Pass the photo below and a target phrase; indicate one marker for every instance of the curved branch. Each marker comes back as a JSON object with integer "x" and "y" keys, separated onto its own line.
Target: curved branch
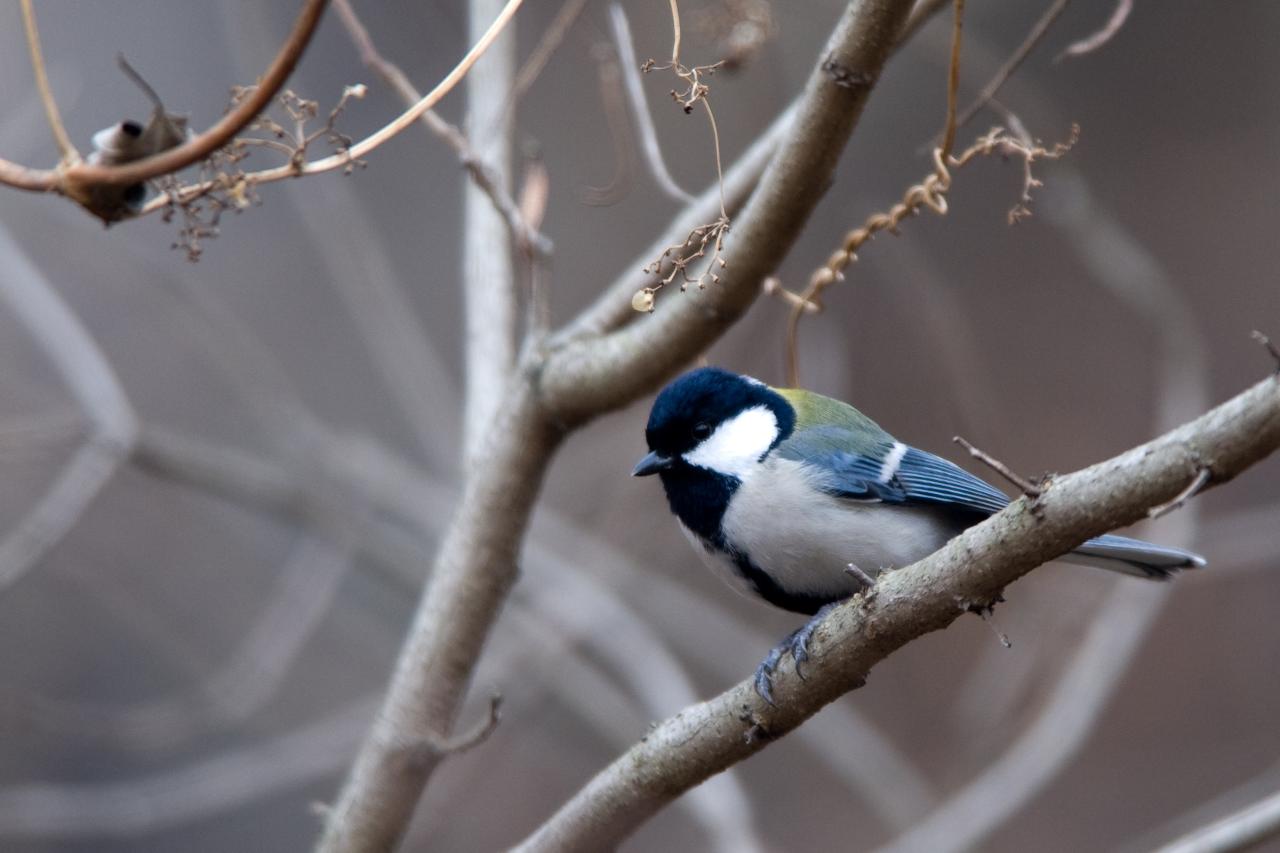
{"x": 927, "y": 596}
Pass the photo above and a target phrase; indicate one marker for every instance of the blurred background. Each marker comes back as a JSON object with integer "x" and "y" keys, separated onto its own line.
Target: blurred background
{"x": 189, "y": 660}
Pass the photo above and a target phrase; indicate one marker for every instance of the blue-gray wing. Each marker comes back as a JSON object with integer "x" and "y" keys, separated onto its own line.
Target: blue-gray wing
{"x": 892, "y": 473}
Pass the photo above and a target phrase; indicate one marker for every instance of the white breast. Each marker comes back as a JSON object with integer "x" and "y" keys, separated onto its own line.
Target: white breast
{"x": 804, "y": 538}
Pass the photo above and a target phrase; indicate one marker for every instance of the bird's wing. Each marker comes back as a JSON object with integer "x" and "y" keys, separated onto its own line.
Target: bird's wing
{"x": 890, "y": 472}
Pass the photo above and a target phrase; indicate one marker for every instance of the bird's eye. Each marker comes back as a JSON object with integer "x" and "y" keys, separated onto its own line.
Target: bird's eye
{"x": 701, "y": 431}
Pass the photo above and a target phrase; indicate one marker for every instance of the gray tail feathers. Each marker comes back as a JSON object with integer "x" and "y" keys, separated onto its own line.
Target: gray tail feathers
{"x": 1134, "y": 557}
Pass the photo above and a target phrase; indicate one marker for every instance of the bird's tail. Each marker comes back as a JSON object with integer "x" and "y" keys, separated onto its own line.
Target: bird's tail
{"x": 1134, "y": 557}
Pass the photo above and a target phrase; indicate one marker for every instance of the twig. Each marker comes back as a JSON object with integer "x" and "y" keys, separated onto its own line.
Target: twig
{"x": 374, "y": 140}
{"x": 1014, "y": 61}
{"x": 634, "y": 89}
{"x": 1026, "y": 486}
{"x": 1091, "y": 43}
{"x": 1203, "y": 475}
{"x": 953, "y": 79}
{"x": 472, "y": 738}
{"x": 1270, "y": 347}
{"x": 527, "y": 238}
{"x": 66, "y": 150}
{"x": 854, "y": 570}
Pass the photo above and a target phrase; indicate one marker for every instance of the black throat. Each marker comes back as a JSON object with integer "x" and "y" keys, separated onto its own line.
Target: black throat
{"x": 699, "y": 498}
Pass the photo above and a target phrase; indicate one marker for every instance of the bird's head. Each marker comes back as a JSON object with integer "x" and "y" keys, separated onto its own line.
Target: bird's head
{"x": 714, "y": 420}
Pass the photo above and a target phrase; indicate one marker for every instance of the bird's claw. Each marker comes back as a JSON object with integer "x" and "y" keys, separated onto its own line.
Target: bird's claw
{"x": 797, "y": 645}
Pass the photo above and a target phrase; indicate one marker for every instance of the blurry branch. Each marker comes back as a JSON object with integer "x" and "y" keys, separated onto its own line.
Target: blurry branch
{"x": 526, "y": 238}
{"x": 610, "y": 84}
{"x": 97, "y": 390}
{"x": 1240, "y": 831}
{"x": 547, "y": 393}
{"x": 634, "y": 89}
{"x": 1077, "y": 697}
{"x": 547, "y": 46}
{"x": 238, "y": 688}
{"x": 1014, "y": 61}
{"x": 908, "y": 603}
{"x": 203, "y": 787}
{"x": 67, "y": 151}
{"x": 363, "y": 147}
{"x": 80, "y": 181}
{"x": 1113, "y": 25}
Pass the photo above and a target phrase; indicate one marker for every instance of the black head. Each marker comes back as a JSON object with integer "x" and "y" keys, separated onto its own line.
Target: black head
{"x": 714, "y": 419}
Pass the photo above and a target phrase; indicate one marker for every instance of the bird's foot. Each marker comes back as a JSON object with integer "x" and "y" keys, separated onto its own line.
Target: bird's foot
{"x": 797, "y": 645}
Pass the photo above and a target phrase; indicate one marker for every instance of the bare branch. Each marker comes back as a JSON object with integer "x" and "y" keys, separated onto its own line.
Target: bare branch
{"x": 547, "y": 46}
{"x": 910, "y": 602}
{"x": 1091, "y": 43}
{"x": 66, "y": 149}
{"x": 1027, "y": 487}
{"x": 1203, "y": 475}
{"x": 1267, "y": 343}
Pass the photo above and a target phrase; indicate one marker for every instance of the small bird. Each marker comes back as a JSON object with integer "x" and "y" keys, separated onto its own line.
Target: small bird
{"x": 801, "y": 499}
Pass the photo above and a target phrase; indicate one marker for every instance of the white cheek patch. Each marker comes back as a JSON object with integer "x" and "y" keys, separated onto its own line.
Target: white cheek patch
{"x": 737, "y": 444}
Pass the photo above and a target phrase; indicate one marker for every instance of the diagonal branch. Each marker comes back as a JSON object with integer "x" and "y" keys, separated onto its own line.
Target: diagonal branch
{"x": 927, "y": 596}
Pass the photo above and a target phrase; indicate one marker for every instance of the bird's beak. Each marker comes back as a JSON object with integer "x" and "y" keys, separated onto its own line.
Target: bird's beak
{"x": 652, "y": 463}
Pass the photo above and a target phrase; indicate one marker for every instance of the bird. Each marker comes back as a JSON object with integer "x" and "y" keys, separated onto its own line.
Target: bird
{"x": 802, "y": 500}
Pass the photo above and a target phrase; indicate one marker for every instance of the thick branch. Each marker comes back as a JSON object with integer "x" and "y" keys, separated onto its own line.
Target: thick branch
{"x": 584, "y": 378}
{"x": 927, "y": 596}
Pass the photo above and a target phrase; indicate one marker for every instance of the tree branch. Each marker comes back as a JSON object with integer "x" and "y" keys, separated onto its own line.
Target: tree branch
{"x": 927, "y": 596}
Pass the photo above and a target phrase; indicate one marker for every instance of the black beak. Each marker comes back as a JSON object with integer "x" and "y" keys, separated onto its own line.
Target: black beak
{"x": 652, "y": 463}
